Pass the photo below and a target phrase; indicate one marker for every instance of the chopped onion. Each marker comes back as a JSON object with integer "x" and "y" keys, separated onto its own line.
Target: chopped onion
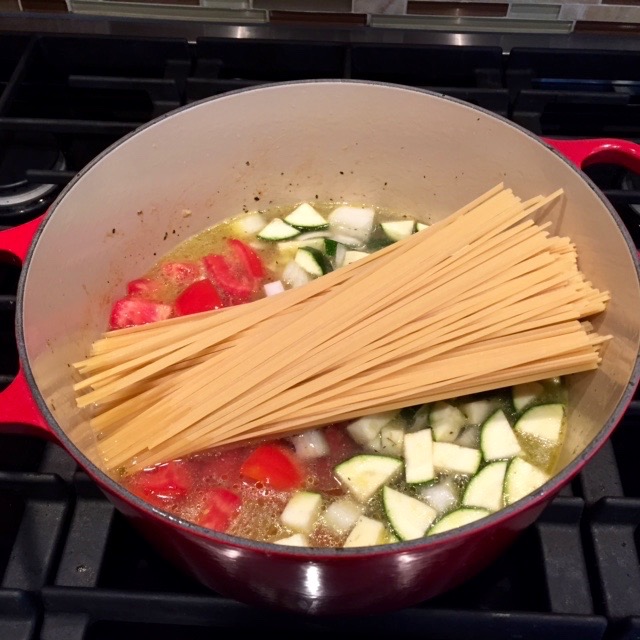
{"x": 310, "y": 444}
{"x": 294, "y": 275}
{"x": 272, "y": 288}
{"x": 470, "y": 437}
{"x": 342, "y": 515}
{"x": 250, "y": 224}
{"x": 442, "y": 496}
{"x": 341, "y": 252}
{"x": 312, "y": 235}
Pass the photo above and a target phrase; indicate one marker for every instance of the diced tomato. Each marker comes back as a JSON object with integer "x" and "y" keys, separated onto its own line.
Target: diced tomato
{"x": 220, "y": 506}
{"x": 236, "y": 284}
{"x": 181, "y": 273}
{"x": 197, "y": 297}
{"x": 272, "y": 464}
{"x": 128, "y": 312}
{"x": 162, "y": 484}
{"x": 144, "y": 288}
{"x": 247, "y": 257}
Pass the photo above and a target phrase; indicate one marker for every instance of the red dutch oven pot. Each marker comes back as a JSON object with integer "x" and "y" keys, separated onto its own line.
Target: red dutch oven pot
{"x": 397, "y": 147}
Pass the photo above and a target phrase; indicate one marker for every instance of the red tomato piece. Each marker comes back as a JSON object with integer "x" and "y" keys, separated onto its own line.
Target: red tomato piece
{"x": 247, "y": 257}
{"x": 181, "y": 273}
{"x": 197, "y": 297}
{"x": 220, "y": 506}
{"x": 237, "y": 285}
{"x": 162, "y": 484}
{"x": 128, "y": 312}
{"x": 273, "y": 465}
{"x": 144, "y": 288}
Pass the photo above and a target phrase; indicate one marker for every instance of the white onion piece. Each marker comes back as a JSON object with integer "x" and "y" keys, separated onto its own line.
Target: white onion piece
{"x": 354, "y": 221}
{"x": 250, "y": 224}
{"x": 349, "y": 241}
{"x": 310, "y": 444}
{"x": 294, "y": 275}
{"x": 342, "y": 515}
{"x": 272, "y": 288}
{"x": 442, "y": 496}
{"x": 341, "y": 251}
{"x": 420, "y": 419}
{"x": 470, "y": 437}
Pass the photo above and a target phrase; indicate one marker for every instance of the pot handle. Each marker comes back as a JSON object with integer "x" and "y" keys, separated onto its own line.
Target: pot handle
{"x": 600, "y": 150}
{"x": 19, "y": 412}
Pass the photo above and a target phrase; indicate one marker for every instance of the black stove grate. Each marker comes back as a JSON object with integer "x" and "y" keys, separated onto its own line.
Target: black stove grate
{"x": 73, "y": 568}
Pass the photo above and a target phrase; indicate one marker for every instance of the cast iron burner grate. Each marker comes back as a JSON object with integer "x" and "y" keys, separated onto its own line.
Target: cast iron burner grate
{"x": 73, "y": 568}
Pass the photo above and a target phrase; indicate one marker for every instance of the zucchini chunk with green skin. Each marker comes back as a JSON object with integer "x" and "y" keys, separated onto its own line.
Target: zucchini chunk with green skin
{"x": 521, "y": 479}
{"x": 454, "y": 458}
{"x": 366, "y": 429}
{"x": 522, "y": 395}
{"x": 296, "y": 540}
{"x": 314, "y": 262}
{"x": 497, "y": 439}
{"x": 342, "y": 515}
{"x": 364, "y": 474}
{"x": 418, "y": 457}
{"x": 353, "y": 256}
{"x": 542, "y": 421}
{"x": 366, "y": 533}
{"x": 306, "y": 218}
{"x": 398, "y": 229}
{"x": 302, "y": 511}
{"x": 446, "y": 421}
{"x": 485, "y": 490}
{"x": 409, "y": 517}
{"x": 277, "y": 230}
{"x": 457, "y": 518}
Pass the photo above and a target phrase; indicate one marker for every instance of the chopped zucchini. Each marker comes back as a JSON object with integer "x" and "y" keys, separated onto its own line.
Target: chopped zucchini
{"x": 418, "y": 456}
{"x": 296, "y": 540}
{"x": 366, "y": 533}
{"x": 542, "y": 421}
{"x": 470, "y": 437}
{"x": 457, "y": 518}
{"x": 364, "y": 474}
{"x": 277, "y": 230}
{"x": 524, "y": 394}
{"x": 486, "y": 488}
{"x": 353, "y": 256}
{"x": 306, "y": 218}
{"x": 365, "y": 429}
{"x": 288, "y": 248}
{"x": 497, "y": 439}
{"x": 454, "y": 458}
{"x": 342, "y": 515}
{"x": 302, "y": 511}
{"x": 314, "y": 262}
{"x": 521, "y": 479}
{"x": 446, "y": 421}
{"x": 409, "y": 517}
{"x": 398, "y": 229}
{"x": 330, "y": 247}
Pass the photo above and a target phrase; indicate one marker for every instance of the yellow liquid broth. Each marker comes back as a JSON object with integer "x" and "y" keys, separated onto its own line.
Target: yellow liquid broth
{"x": 259, "y": 516}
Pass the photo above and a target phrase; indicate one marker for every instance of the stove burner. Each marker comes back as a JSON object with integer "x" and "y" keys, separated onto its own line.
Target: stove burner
{"x": 19, "y": 152}
{"x": 631, "y": 182}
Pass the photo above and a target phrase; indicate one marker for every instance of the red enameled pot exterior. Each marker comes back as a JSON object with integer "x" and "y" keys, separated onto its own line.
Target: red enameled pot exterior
{"x": 281, "y": 144}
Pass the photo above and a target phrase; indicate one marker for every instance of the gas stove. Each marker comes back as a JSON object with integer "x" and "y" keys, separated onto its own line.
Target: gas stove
{"x": 71, "y": 567}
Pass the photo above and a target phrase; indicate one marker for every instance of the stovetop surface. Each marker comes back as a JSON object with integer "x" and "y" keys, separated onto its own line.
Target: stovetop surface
{"x": 71, "y": 567}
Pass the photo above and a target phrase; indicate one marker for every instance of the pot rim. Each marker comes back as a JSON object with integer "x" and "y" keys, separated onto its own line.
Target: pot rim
{"x": 480, "y": 527}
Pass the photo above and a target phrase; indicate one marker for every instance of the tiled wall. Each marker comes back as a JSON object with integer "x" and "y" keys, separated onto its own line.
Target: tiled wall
{"x": 480, "y": 15}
